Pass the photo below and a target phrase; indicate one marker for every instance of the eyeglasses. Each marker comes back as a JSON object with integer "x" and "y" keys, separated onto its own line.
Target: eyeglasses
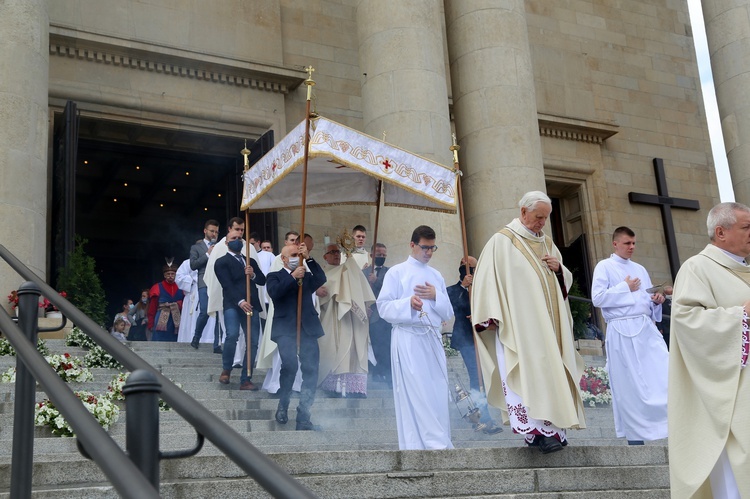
{"x": 424, "y": 247}
{"x": 333, "y": 252}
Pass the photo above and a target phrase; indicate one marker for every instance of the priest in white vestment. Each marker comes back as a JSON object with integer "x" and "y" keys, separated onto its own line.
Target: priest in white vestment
{"x": 709, "y": 383}
{"x": 344, "y": 300}
{"x": 359, "y": 253}
{"x": 187, "y": 280}
{"x": 415, "y": 301}
{"x": 637, "y": 357}
{"x": 530, "y": 366}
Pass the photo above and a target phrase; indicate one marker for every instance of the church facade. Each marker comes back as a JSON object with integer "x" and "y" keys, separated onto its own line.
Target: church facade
{"x": 576, "y": 98}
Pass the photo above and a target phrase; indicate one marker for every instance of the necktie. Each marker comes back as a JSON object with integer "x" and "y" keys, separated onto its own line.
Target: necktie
{"x": 240, "y": 259}
{"x": 377, "y": 271}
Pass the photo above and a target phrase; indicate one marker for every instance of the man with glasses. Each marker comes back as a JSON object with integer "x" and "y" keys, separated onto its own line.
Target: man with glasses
{"x": 414, "y": 300}
{"x": 519, "y": 303}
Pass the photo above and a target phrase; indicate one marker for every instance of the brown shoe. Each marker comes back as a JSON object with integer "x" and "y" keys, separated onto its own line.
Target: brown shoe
{"x": 224, "y": 378}
{"x": 248, "y": 385}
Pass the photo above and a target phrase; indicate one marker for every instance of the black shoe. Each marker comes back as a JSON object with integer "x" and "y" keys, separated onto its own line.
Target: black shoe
{"x": 635, "y": 442}
{"x": 281, "y": 416}
{"x": 548, "y": 444}
{"x": 195, "y": 343}
{"x": 307, "y": 426}
{"x": 492, "y": 428}
{"x": 218, "y": 350}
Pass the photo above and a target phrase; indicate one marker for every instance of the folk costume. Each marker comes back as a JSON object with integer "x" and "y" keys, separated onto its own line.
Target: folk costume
{"x": 165, "y": 302}
{"x": 530, "y": 366}
{"x": 418, "y": 366}
{"x": 637, "y": 357}
{"x": 709, "y": 384}
{"x": 343, "y": 315}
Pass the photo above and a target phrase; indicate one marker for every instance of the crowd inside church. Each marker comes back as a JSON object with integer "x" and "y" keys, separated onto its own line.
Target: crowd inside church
{"x": 362, "y": 321}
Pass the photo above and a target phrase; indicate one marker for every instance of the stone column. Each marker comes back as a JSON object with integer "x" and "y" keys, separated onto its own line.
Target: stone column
{"x": 728, "y": 34}
{"x": 494, "y": 107}
{"x": 24, "y": 64}
{"x": 404, "y": 93}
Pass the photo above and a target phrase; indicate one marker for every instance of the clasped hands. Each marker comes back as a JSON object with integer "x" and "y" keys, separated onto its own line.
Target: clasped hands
{"x": 422, "y": 292}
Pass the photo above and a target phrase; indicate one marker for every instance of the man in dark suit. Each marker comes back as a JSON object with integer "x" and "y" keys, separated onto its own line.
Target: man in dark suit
{"x": 231, "y": 270}
{"x": 462, "y": 340}
{"x": 199, "y": 253}
{"x": 380, "y": 330}
{"x": 283, "y": 287}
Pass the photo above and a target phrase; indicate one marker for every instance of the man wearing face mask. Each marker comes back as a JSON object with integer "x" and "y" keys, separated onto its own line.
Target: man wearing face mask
{"x": 283, "y": 288}
{"x": 231, "y": 270}
{"x": 462, "y": 340}
{"x": 380, "y": 330}
{"x": 199, "y": 254}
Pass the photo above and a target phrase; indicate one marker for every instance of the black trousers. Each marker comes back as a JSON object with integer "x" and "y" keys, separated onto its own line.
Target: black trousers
{"x": 309, "y": 361}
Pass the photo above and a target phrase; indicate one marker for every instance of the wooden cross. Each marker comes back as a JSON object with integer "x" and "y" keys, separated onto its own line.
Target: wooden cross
{"x": 665, "y": 202}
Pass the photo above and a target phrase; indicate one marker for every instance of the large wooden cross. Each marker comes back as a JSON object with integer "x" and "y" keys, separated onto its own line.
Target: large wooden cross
{"x": 666, "y": 203}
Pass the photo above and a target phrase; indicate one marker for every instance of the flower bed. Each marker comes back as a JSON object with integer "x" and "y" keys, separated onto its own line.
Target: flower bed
{"x": 77, "y": 338}
{"x": 99, "y": 357}
{"x": 595, "y": 386}
{"x": 114, "y": 390}
{"x": 69, "y": 368}
{"x": 7, "y": 349}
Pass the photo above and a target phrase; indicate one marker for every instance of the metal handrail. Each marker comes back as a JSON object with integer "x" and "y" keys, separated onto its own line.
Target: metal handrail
{"x": 257, "y": 465}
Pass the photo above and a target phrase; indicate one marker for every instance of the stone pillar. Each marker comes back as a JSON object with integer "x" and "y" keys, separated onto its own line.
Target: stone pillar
{"x": 24, "y": 64}
{"x": 494, "y": 107}
{"x": 728, "y": 34}
{"x": 404, "y": 93}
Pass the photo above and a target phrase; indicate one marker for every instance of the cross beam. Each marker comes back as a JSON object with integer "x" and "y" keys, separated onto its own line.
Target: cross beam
{"x": 666, "y": 203}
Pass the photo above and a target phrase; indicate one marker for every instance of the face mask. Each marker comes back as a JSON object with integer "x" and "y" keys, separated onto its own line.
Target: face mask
{"x": 379, "y": 261}
{"x": 144, "y": 300}
{"x": 131, "y": 306}
{"x": 462, "y": 272}
{"x": 293, "y": 263}
{"x": 235, "y": 246}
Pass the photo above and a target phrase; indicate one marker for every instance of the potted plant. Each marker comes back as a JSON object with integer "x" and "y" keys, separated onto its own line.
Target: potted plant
{"x": 50, "y": 309}
{"x": 82, "y": 283}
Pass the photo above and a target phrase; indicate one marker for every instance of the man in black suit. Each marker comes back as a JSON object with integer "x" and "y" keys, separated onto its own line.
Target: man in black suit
{"x": 199, "y": 253}
{"x": 231, "y": 270}
{"x": 283, "y": 287}
{"x": 462, "y": 340}
{"x": 380, "y": 330}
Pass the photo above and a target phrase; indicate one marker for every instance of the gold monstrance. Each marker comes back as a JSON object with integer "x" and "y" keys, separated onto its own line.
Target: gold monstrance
{"x": 346, "y": 241}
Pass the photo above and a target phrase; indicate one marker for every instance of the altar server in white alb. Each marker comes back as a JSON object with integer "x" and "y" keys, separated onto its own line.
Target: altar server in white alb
{"x": 414, "y": 300}
{"x": 637, "y": 357}
{"x": 709, "y": 382}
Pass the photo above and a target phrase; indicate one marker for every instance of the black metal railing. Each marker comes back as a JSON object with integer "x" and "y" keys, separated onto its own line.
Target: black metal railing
{"x": 120, "y": 469}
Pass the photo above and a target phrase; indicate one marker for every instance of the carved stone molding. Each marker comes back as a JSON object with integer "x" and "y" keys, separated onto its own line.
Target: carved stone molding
{"x": 558, "y": 127}
{"x": 257, "y": 76}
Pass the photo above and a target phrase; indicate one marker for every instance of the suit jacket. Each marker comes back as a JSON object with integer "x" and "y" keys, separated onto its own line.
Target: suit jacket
{"x": 231, "y": 274}
{"x": 463, "y": 334}
{"x": 283, "y": 289}
{"x": 199, "y": 259}
{"x": 376, "y": 287}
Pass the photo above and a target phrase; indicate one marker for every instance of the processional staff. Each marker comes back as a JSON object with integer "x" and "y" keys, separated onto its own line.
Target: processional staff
{"x": 248, "y": 286}
{"x": 310, "y": 83}
{"x": 455, "y": 148}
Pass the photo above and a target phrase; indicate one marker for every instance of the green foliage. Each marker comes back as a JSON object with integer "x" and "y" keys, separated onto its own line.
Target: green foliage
{"x": 80, "y": 280}
{"x": 580, "y": 310}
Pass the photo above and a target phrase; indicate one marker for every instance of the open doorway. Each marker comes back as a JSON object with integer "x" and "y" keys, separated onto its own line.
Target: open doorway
{"x": 143, "y": 194}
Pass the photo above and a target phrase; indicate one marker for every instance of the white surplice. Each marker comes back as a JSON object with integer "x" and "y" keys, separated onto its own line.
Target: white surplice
{"x": 420, "y": 377}
{"x": 187, "y": 281}
{"x": 637, "y": 356}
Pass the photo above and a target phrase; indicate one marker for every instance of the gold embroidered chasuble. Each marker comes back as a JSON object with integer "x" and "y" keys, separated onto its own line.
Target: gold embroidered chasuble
{"x": 514, "y": 287}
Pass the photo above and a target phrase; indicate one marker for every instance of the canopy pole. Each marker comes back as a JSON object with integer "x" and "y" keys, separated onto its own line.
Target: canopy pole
{"x": 310, "y": 83}
{"x": 248, "y": 286}
{"x": 377, "y": 220}
{"x": 455, "y": 148}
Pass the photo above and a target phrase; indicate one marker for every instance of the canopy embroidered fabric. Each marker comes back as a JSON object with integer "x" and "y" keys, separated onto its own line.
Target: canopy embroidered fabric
{"x": 344, "y": 167}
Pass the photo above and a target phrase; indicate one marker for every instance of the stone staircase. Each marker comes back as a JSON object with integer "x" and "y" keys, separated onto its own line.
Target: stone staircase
{"x": 356, "y": 455}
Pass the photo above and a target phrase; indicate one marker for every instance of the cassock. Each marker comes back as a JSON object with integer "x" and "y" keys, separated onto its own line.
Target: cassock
{"x": 531, "y": 356}
{"x": 709, "y": 397}
{"x": 187, "y": 280}
{"x": 343, "y": 315}
{"x": 637, "y": 357}
{"x": 420, "y": 378}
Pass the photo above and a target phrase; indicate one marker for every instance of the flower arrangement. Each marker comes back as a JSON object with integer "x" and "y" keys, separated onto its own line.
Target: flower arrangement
{"x": 48, "y": 306}
{"x": 13, "y": 299}
{"x": 7, "y": 349}
{"x": 114, "y": 390}
{"x": 595, "y": 386}
{"x": 449, "y": 352}
{"x": 8, "y": 376}
{"x": 69, "y": 368}
{"x": 99, "y": 357}
{"x": 77, "y": 338}
{"x": 102, "y": 408}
